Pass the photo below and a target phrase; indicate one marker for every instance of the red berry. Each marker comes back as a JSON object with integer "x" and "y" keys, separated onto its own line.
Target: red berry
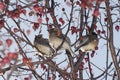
{"x": 60, "y": 19}
{"x": 43, "y": 66}
{"x": 39, "y": 20}
{"x": 6, "y": 60}
{"x": 105, "y": 19}
{"x": 96, "y": 13}
{"x": 26, "y": 60}
{"x": 103, "y": 32}
{"x": 92, "y": 54}
{"x": 9, "y": 42}
{"x": 19, "y": 7}
{"x": 15, "y": 56}
{"x": 10, "y": 55}
{"x": 86, "y": 59}
{"x": 73, "y": 29}
{"x": 28, "y": 31}
{"x": 35, "y": 26}
{"x": 63, "y": 9}
{"x": 117, "y": 28}
{"x": 24, "y": 11}
{"x": 96, "y": 48}
{"x": 63, "y": 22}
{"x": 2, "y": 63}
{"x": 15, "y": 30}
{"x": 26, "y": 78}
{"x": 47, "y": 19}
{"x": 36, "y": 7}
{"x": 98, "y": 31}
{"x": 2, "y": 6}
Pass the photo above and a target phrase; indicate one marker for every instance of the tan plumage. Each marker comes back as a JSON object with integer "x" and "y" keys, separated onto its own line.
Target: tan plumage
{"x": 88, "y": 42}
{"x": 43, "y": 46}
{"x": 56, "y": 39}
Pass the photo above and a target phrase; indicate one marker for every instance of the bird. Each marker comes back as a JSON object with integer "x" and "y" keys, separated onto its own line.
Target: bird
{"x": 42, "y": 45}
{"x": 56, "y": 38}
{"x": 88, "y": 42}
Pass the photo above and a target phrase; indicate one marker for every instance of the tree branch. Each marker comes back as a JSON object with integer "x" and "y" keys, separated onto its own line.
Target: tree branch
{"x": 111, "y": 45}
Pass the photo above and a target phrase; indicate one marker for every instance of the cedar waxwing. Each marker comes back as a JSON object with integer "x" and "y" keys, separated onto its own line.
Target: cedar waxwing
{"x": 88, "y": 42}
{"x": 43, "y": 46}
{"x": 56, "y": 38}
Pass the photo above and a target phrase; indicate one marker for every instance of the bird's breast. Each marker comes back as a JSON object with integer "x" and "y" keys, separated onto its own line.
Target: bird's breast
{"x": 43, "y": 48}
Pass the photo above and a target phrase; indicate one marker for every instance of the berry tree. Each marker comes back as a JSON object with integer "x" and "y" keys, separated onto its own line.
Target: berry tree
{"x": 21, "y": 20}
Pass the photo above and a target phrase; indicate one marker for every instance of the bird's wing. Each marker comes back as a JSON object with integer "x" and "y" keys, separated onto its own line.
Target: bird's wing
{"x": 43, "y": 42}
{"x": 48, "y": 44}
{"x": 86, "y": 40}
{"x": 83, "y": 42}
{"x": 62, "y": 36}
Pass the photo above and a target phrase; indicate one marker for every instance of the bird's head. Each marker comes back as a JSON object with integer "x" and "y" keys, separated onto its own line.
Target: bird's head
{"x": 38, "y": 37}
{"x": 53, "y": 31}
